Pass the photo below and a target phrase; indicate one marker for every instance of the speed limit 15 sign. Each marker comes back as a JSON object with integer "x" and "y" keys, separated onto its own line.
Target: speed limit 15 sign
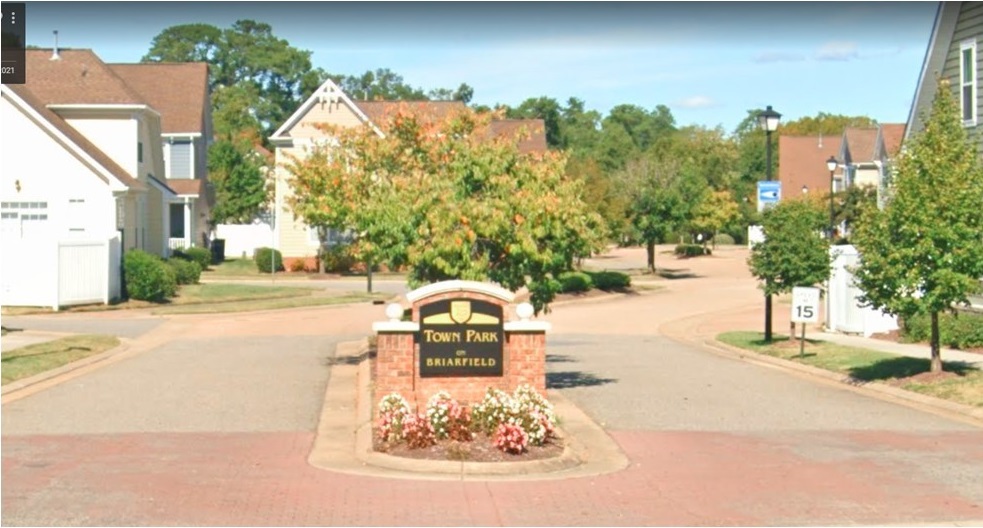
{"x": 805, "y": 305}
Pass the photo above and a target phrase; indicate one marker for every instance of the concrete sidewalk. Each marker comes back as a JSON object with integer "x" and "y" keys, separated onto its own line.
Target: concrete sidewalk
{"x": 915, "y": 350}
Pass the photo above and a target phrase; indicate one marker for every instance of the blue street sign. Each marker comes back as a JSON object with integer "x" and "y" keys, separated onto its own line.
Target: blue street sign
{"x": 769, "y": 193}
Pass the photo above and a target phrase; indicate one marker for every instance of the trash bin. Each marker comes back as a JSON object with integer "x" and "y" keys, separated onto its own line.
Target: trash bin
{"x": 218, "y": 250}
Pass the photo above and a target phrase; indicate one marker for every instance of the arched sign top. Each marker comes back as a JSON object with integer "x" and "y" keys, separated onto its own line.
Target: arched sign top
{"x": 460, "y": 286}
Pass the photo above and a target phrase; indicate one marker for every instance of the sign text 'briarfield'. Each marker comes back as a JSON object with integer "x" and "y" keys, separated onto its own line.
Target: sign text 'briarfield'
{"x": 461, "y": 337}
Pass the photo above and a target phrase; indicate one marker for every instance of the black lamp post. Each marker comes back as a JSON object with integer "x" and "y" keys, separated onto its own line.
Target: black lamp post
{"x": 768, "y": 121}
{"x": 831, "y": 165}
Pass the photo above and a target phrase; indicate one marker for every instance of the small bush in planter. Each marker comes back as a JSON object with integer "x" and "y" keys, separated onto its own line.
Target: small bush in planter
{"x": 147, "y": 277}
{"x": 574, "y": 282}
{"x": 610, "y": 280}
{"x": 185, "y": 271}
{"x": 691, "y": 250}
{"x": 266, "y": 257}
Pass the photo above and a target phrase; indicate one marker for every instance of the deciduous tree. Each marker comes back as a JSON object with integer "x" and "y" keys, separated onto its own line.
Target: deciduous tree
{"x": 923, "y": 253}
{"x": 794, "y": 252}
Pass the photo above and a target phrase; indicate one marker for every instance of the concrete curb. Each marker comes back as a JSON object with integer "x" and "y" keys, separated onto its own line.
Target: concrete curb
{"x": 10, "y": 391}
{"x": 344, "y": 437}
{"x": 952, "y": 410}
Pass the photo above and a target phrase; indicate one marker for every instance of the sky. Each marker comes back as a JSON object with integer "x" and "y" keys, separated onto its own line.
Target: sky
{"x": 709, "y": 62}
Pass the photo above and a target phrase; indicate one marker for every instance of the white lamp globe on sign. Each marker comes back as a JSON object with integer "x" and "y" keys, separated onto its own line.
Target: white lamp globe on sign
{"x": 524, "y": 311}
{"x": 394, "y": 311}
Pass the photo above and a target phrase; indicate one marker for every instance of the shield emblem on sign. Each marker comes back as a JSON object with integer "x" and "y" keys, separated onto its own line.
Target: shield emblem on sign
{"x": 460, "y": 311}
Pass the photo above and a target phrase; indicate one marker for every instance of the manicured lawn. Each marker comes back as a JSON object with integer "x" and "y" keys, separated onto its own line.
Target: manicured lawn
{"x": 304, "y": 298}
{"x": 242, "y": 267}
{"x": 960, "y": 384}
{"x": 34, "y": 359}
{"x": 224, "y": 298}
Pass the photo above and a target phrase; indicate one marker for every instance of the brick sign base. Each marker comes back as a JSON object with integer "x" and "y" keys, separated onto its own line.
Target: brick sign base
{"x": 397, "y": 367}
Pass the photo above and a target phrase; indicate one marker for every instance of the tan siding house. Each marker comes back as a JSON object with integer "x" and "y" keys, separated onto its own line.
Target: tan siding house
{"x": 330, "y": 106}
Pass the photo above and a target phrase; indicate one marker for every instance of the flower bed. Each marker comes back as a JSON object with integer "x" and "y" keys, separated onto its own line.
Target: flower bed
{"x": 502, "y": 427}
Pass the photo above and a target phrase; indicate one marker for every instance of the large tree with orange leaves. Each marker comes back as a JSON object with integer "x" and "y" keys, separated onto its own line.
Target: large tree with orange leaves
{"x": 450, "y": 200}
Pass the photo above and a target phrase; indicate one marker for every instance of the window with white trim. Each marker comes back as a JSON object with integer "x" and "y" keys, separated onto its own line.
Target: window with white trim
{"x": 967, "y": 81}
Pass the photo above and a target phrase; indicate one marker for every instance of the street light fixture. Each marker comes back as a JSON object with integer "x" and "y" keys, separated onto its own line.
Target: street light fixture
{"x": 831, "y": 165}
{"x": 768, "y": 121}
{"x": 805, "y": 189}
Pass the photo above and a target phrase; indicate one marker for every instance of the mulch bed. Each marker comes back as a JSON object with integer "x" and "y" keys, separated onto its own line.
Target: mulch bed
{"x": 478, "y": 450}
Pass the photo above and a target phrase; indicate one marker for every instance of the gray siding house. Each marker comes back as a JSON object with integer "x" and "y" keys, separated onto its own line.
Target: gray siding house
{"x": 954, "y": 53}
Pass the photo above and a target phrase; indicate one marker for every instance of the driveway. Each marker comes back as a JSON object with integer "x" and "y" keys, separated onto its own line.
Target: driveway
{"x": 213, "y": 426}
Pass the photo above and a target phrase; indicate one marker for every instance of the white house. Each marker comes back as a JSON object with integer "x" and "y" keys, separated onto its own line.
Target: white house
{"x": 81, "y": 181}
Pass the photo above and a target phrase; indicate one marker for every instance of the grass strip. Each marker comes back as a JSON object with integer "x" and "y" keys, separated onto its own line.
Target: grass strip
{"x": 961, "y": 382}
{"x": 34, "y": 359}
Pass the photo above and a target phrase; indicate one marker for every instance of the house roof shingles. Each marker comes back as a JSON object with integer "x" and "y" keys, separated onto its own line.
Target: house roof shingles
{"x": 892, "y": 134}
{"x": 860, "y": 144}
{"x": 187, "y": 187}
{"x": 77, "y": 77}
{"x": 533, "y": 130}
{"x": 178, "y": 91}
{"x": 802, "y": 162}
{"x": 75, "y": 136}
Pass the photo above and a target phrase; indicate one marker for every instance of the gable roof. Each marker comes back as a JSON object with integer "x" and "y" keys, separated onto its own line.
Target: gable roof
{"x": 534, "y": 139}
{"x": 429, "y": 111}
{"x": 194, "y": 187}
{"x": 802, "y": 162}
{"x": 177, "y": 90}
{"x": 858, "y": 145}
{"x": 938, "y": 46}
{"x": 77, "y": 77}
{"x": 890, "y": 137}
{"x": 328, "y": 91}
{"x": 58, "y": 126}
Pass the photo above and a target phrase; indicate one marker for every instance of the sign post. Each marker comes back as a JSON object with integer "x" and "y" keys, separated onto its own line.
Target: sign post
{"x": 805, "y": 309}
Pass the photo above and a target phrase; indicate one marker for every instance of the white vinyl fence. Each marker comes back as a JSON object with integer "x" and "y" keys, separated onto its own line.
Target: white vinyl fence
{"x": 843, "y": 308}
{"x": 243, "y": 239}
{"x": 61, "y": 273}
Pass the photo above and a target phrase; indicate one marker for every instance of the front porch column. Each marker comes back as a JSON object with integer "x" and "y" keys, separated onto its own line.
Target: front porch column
{"x": 187, "y": 223}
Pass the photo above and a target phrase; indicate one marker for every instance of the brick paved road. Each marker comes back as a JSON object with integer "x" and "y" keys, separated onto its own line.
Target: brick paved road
{"x": 214, "y": 428}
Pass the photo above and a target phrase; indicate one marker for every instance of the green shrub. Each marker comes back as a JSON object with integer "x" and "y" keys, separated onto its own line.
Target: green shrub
{"x": 338, "y": 259}
{"x": 691, "y": 250}
{"x": 724, "y": 239}
{"x": 185, "y": 271}
{"x": 609, "y": 280}
{"x": 147, "y": 277}
{"x": 962, "y": 330}
{"x": 195, "y": 254}
{"x": 266, "y": 257}
{"x": 574, "y": 281}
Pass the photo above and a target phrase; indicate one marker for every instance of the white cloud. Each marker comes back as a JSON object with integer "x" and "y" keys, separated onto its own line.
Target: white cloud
{"x": 837, "y": 51}
{"x": 778, "y": 56}
{"x": 696, "y": 101}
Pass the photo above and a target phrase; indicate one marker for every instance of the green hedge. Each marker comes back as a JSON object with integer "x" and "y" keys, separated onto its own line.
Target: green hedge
{"x": 148, "y": 277}
{"x": 574, "y": 282}
{"x": 724, "y": 239}
{"x": 962, "y": 330}
{"x": 609, "y": 280}
{"x": 195, "y": 254}
{"x": 691, "y": 250}
{"x": 185, "y": 271}
{"x": 264, "y": 259}
{"x": 338, "y": 259}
